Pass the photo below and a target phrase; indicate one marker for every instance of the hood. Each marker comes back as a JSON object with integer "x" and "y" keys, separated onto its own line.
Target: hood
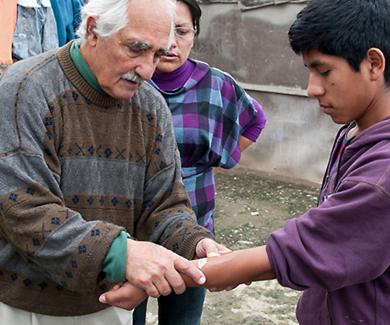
{"x": 375, "y": 133}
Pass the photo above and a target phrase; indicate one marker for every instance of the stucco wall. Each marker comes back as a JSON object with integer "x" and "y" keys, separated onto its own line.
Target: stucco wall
{"x": 253, "y": 47}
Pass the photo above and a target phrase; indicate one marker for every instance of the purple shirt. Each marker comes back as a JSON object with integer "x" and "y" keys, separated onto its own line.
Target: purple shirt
{"x": 339, "y": 252}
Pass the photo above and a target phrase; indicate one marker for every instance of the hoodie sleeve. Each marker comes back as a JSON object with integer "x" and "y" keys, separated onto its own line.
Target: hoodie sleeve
{"x": 342, "y": 242}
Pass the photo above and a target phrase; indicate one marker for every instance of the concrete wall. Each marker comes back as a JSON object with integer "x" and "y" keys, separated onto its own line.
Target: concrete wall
{"x": 253, "y": 47}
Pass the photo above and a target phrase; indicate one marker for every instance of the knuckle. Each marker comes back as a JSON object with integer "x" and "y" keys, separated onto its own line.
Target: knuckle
{"x": 166, "y": 292}
{"x": 145, "y": 282}
{"x": 154, "y": 294}
{"x": 180, "y": 289}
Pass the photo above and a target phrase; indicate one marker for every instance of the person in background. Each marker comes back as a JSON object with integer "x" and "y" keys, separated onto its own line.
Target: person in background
{"x": 214, "y": 121}
{"x": 337, "y": 253}
{"x": 90, "y": 185}
{"x": 35, "y": 30}
{"x": 67, "y": 14}
{"x": 28, "y": 28}
{"x": 8, "y": 11}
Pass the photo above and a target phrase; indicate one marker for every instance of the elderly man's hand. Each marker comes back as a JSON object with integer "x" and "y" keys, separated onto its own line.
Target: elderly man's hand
{"x": 209, "y": 248}
{"x": 157, "y": 270}
{"x": 124, "y": 295}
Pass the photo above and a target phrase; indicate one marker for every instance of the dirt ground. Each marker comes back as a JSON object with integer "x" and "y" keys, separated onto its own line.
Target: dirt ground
{"x": 249, "y": 206}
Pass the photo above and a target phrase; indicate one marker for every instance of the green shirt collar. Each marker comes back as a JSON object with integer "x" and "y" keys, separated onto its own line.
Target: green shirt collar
{"x": 83, "y": 68}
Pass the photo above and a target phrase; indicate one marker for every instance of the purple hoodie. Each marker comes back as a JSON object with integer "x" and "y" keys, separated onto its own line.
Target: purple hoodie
{"x": 339, "y": 252}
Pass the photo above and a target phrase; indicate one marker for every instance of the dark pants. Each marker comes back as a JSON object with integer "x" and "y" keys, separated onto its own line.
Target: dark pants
{"x": 184, "y": 309}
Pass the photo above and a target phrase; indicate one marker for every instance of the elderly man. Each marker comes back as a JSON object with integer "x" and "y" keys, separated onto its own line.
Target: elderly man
{"x": 88, "y": 164}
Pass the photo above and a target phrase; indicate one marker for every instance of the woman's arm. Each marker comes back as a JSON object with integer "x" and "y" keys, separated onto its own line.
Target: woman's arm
{"x": 244, "y": 143}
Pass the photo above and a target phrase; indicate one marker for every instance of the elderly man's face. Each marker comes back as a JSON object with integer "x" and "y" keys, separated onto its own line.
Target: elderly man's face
{"x": 121, "y": 62}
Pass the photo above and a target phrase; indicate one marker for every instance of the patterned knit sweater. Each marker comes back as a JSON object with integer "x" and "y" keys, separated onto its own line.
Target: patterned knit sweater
{"x": 76, "y": 168}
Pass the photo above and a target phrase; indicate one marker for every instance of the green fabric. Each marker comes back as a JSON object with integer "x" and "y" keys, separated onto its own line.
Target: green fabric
{"x": 114, "y": 264}
{"x": 83, "y": 68}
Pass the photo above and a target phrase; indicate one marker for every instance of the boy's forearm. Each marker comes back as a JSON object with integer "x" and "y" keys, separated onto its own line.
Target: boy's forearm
{"x": 225, "y": 271}
{"x": 234, "y": 268}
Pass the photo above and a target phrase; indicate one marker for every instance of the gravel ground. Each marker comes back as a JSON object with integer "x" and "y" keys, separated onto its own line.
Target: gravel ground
{"x": 249, "y": 206}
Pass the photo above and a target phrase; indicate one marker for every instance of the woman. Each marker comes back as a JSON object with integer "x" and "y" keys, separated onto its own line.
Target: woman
{"x": 214, "y": 120}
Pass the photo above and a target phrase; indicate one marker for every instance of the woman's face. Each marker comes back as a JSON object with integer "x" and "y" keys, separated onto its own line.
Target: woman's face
{"x": 182, "y": 42}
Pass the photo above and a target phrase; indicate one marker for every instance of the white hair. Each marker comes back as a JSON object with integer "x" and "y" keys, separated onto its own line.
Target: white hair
{"x": 111, "y": 16}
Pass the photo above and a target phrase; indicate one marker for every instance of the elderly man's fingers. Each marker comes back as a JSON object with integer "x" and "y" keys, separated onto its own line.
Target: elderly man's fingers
{"x": 223, "y": 249}
{"x": 163, "y": 286}
{"x": 152, "y": 291}
{"x": 190, "y": 269}
{"x": 126, "y": 296}
{"x": 210, "y": 248}
{"x": 176, "y": 281}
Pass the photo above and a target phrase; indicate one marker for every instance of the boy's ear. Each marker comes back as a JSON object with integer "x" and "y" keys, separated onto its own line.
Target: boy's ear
{"x": 377, "y": 63}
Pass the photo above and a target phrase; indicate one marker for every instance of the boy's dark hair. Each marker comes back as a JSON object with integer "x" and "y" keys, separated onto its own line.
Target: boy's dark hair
{"x": 343, "y": 28}
{"x": 196, "y": 12}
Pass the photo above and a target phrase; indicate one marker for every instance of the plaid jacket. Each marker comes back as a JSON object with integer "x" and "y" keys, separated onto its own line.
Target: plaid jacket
{"x": 210, "y": 113}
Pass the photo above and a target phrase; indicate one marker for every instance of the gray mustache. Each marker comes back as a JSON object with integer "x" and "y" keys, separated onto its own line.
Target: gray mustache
{"x": 134, "y": 77}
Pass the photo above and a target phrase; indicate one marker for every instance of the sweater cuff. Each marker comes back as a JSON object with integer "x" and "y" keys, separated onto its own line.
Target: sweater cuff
{"x": 114, "y": 265}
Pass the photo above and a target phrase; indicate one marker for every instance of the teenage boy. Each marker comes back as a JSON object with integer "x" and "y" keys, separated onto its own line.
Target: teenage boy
{"x": 339, "y": 252}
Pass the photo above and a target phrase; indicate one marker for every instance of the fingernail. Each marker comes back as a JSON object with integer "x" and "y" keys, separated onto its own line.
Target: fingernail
{"x": 202, "y": 280}
{"x": 102, "y": 299}
{"x": 212, "y": 254}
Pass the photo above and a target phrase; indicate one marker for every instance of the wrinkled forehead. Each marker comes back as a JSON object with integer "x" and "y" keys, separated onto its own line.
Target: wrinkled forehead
{"x": 149, "y": 21}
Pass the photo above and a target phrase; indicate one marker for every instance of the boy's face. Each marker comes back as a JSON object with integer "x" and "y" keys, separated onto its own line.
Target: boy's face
{"x": 344, "y": 94}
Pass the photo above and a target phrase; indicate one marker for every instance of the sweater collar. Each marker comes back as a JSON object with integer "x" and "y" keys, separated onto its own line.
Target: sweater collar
{"x": 83, "y": 68}
{"x": 79, "y": 80}
{"x": 198, "y": 71}
{"x": 170, "y": 81}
